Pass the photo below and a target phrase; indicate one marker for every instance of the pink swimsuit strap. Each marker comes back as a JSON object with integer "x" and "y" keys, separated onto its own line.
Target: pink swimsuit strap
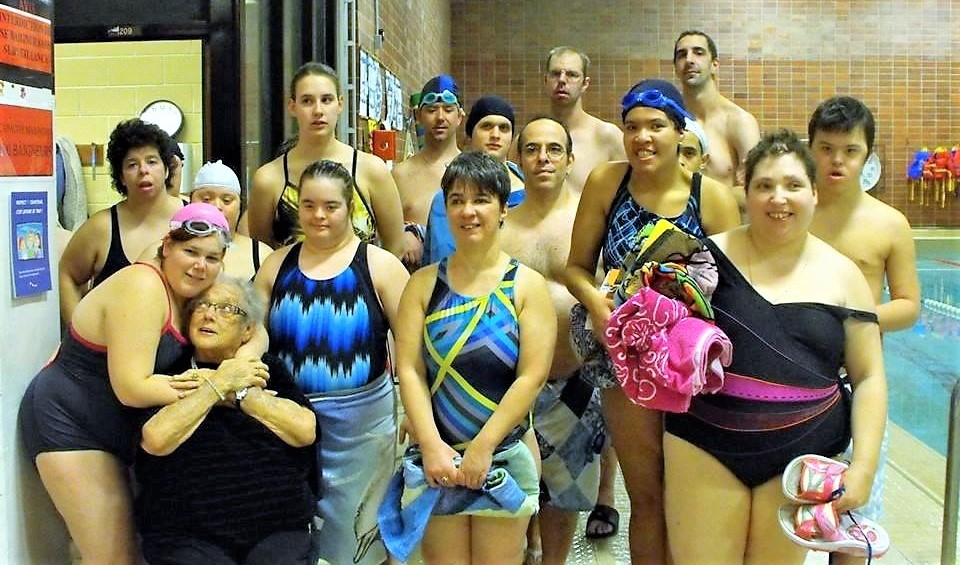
{"x": 749, "y": 388}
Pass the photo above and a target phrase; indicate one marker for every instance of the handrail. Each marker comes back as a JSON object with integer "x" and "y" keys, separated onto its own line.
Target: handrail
{"x": 948, "y": 544}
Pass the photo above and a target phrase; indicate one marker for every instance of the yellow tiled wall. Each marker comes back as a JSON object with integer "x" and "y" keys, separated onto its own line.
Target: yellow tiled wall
{"x": 101, "y": 84}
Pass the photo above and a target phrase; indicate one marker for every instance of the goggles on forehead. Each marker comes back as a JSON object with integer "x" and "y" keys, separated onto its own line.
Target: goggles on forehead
{"x": 652, "y": 99}
{"x": 444, "y": 96}
{"x": 199, "y": 228}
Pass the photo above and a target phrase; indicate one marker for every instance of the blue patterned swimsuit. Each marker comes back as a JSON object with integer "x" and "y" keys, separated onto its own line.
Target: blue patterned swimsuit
{"x": 331, "y": 334}
{"x": 626, "y": 218}
{"x": 471, "y": 347}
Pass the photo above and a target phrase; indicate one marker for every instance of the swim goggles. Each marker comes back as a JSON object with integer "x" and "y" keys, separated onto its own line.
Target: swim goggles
{"x": 199, "y": 228}
{"x": 444, "y": 96}
{"x": 652, "y": 99}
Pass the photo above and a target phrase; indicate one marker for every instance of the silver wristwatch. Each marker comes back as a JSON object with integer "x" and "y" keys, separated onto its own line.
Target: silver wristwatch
{"x": 240, "y": 395}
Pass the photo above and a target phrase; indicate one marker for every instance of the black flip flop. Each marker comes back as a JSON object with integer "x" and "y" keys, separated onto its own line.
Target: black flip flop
{"x": 607, "y": 515}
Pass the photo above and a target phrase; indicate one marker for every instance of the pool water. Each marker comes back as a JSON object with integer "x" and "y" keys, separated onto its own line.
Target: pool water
{"x": 923, "y": 362}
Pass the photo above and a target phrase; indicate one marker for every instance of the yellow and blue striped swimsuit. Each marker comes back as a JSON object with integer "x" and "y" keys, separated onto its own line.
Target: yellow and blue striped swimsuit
{"x": 471, "y": 347}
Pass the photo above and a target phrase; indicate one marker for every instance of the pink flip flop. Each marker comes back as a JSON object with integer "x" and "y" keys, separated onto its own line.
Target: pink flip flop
{"x": 810, "y": 479}
{"x": 820, "y": 528}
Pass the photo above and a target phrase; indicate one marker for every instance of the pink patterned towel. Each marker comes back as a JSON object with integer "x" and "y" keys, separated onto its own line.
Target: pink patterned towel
{"x": 662, "y": 355}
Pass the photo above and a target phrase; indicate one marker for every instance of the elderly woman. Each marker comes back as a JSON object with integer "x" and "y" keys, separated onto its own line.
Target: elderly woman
{"x": 619, "y": 199}
{"x": 332, "y": 300}
{"x": 139, "y": 154}
{"x": 122, "y": 343}
{"x": 474, "y": 349}
{"x": 242, "y": 455}
{"x": 782, "y": 396}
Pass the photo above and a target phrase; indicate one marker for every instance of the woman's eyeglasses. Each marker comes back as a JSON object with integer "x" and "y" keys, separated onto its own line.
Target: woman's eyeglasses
{"x": 220, "y": 308}
{"x": 198, "y": 228}
{"x": 444, "y": 96}
{"x": 652, "y": 99}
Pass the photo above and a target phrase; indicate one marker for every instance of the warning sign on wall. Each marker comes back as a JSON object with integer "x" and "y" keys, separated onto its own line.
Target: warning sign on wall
{"x": 25, "y": 40}
{"x": 25, "y": 141}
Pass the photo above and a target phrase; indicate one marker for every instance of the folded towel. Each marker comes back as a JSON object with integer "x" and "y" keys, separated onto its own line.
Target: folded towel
{"x": 511, "y": 490}
{"x": 662, "y": 355}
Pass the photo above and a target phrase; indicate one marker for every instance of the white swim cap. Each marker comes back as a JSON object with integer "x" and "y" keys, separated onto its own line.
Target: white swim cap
{"x": 694, "y": 127}
{"x": 217, "y": 174}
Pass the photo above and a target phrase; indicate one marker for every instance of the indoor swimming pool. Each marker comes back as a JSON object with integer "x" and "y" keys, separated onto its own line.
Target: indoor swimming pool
{"x": 923, "y": 363}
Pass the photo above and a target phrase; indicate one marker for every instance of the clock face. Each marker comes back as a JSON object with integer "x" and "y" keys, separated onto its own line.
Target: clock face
{"x": 870, "y": 174}
{"x": 164, "y": 114}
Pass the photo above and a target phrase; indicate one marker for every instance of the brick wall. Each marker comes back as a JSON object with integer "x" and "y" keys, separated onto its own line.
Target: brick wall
{"x": 778, "y": 59}
{"x": 416, "y": 43}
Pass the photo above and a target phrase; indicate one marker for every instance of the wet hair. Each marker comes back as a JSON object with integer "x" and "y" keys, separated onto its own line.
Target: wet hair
{"x": 135, "y": 134}
{"x": 325, "y": 168}
{"x": 250, "y": 300}
{"x": 537, "y": 118}
{"x": 560, "y": 50}
{"x": 481, "y": 170}
{"x": 776, "y": 144}
{"x": 313, "y": 68}
{"x": 711, "y": 45}
{"x": 842, "y": 114}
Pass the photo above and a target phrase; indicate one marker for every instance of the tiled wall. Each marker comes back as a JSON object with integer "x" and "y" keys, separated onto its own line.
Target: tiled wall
{"x": 778, "y": 59}
{"x": 100, "y": 84}
{"x": 416, "y": 41}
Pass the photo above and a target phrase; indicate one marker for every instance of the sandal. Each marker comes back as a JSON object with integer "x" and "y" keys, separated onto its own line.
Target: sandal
{"x": 605, "y": 515}
{"x": 810, "y": 479}
{"x": 820, "y": 528}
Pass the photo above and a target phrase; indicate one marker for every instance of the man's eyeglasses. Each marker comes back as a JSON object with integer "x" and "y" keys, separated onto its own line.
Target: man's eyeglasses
{"x": 444, "y": 96}
{"x": 220, "y": 308}
{"x": 199, "y": 228}
{"x": 652, "y": 99}
{"x": 554, "y": 150}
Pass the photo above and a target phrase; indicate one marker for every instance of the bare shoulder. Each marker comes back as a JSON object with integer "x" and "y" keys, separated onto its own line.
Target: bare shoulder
{"x": 607, "y": 176}
{"x": 271, "y": 265}
{"x": 139, "y": 282}
{"x": 370, "y": 163}
{"x": 422, "y": 281}
{"x": 406, "y": 167}
{"x": 269, "y": 176}
{"x": 380, "y": 257}
{"x": 887, "y": 215}
{"x": 529, "y": 281}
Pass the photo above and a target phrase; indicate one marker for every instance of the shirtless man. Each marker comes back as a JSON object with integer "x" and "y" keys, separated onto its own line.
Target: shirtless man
{"x": 567, "y": 417}
{"x": 732, "y": 131}
{"x": 597, "y": 141}
{"x": 875, "y": 236}
{"x": 440, "y": 114}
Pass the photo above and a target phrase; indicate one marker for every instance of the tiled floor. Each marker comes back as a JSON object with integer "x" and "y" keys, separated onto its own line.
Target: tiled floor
{"x": 913, "y": 511}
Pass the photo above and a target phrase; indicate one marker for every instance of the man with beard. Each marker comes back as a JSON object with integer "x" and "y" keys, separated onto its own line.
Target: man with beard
{"x": 732, "y": 131}
{"x": 440, "y": 113}
{"x": 597, "y": 141}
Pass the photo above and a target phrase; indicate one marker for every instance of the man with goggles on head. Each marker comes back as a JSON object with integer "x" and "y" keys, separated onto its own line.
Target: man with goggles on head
{"x": 732, "y": 130}
{"x": 596, "y": 141}
{"x": 439, "y": 113}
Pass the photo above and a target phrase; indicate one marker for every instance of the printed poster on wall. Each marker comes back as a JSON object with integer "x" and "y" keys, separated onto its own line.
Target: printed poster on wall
{"x": 30, "y": 242}
{"x": 26, "y": 83}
